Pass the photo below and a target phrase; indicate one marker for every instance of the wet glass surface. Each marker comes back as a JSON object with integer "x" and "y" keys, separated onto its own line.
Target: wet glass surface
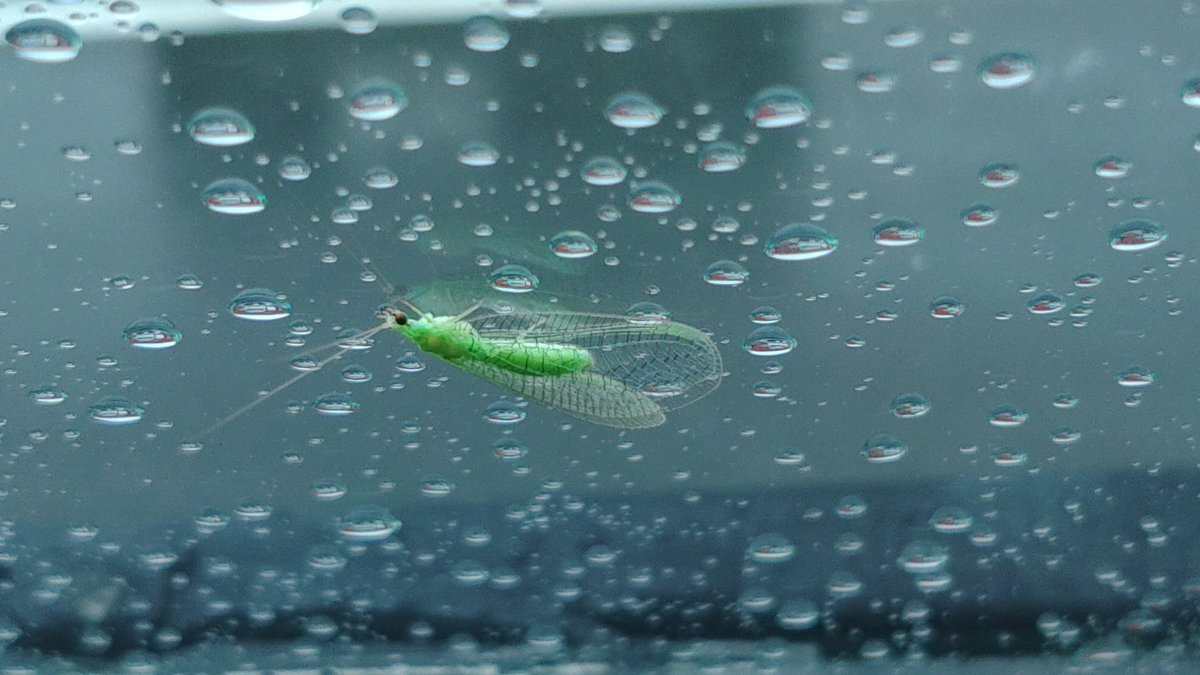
{"x": 944, "y": 251}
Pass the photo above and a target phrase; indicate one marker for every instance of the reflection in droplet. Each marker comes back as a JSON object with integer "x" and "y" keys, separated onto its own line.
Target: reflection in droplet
{"x": 882, "y": 449}
{"x": 235, "y": 197}
{"x": 1006, "y": 71}
{"x": 1136, "y": 376}
{"x": 1113, "y": 167}
{"x": 359, "y": 21}
{"x": 152, "y": 333}
{"x": 294, "y": 168}
{"x": 116, "y": 412}
{"x": 504, "y": 413}
{"x": 514, "y": 279}
{"x": 602, "y": 171}
{"x": 1136, "y": 235}
{"x": 48, "y": 395}
{"x": 377, "y": 101}
{"x": 633, "y": 111}
{"x": 485, "y": 34}
{"x": 478, "y": 153}
{"x": 910, "y": 406}
{"x": 945, "y": 308}
{"x": 769, "y": 341}
{"x": 44, "y": 41}
{"x": 777, "y": 107}
{"x": 997, "y": 176}
{"x": 654, "y": 197}
{"x": 726, "y": 273}
{"x": 573, "y": 244}
{"x": 800, "y": 241}
{"x": 722, "y": 157}
{"x": 220, "y": 127}
{"x": 335, "y": 404}
{"x": 896, "y": 233}
{"x": 259, "y": 304}
{"x": 979, "y": 215}
{"x": 367, "y": 524}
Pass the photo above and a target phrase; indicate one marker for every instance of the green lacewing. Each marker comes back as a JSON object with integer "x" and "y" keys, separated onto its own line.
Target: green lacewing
{"x": 612, "y": 370}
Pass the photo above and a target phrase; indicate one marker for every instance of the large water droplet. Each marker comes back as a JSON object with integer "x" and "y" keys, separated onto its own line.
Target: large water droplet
{"x": 1006, "y": 71}
{"x": 602, "y": 171}
{"x": 220, "y": 127}
{"x": 800, "y": 241}
{"x": 377, "y": 101}
{"x": 152, "y": 333}
{"x": 259, "y": 304}
{"x": 116, "y": 412}
{"x": 726, "y": 273}
{"x": 234, "y": 197}
{"x": 485, "y": 34}
{"x": 1136, "y": 235}
{"x": 44, "y": 41}
{"x": 769, "y": 341}
{"x": 514, "y": 279}
{"x": 777, "y": 107}
{"x": 654, "y": 197}
{"x": 633, "y": 111}
{"x": 896, "y": 233}
{"x": 367, "y": 524}
{"x": 573, "y": 244}
{"x": 335, "y": 404}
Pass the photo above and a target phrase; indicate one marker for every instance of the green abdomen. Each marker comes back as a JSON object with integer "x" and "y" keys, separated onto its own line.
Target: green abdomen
{"x": 530, "y": 358}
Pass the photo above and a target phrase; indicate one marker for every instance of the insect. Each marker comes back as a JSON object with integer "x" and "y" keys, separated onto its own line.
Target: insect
{"x": 613, "y": 370}
{"x": 619, "y": 371}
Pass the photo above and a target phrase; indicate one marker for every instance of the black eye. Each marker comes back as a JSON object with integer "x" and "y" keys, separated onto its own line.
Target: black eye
{"x": 400, "y": 317}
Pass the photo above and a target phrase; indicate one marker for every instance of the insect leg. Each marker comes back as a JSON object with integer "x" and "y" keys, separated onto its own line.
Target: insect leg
{"x": 469, "y": 311}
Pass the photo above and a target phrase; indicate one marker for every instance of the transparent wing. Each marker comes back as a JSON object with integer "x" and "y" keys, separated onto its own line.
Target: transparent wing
{"x": 671, "y": 363}
{"x": 589, "y": 396}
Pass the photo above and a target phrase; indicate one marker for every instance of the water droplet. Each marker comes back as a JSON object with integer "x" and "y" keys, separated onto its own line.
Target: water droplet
{"x": 726, "y": 273}
{"x": 259, "y": 304}
{"x": 633, "y": 111}
{"x": 1087, "y": 280}
{"x": 328, "y": 490}
{"x": 602, "y": 171}
{"x": 1006, "y": 71}
{"x": 410, "y": 364}
{"x": 766, "y": 315}
{"x": 573, "y": 244}
{"x": 979, "y": 215}
{"x": 1113, "y": 167}
{"x": 1007, "y": 417}
{"x": 1065, "y": 436}
{"x": 1046, "y": 304}
{"x": 769, "y": 341}
{"x": 777, "y": 107}
{"x": 910, "y": 406}
{"x": 998, "y": 176}
{"x": 116, "y": 412}
{"x": 897, "y": 233}
{"x": 523, "y": 9}
{"x": 359, "y": 21}
{"x": 48, "y": 395}
{"x": 294, "y": 168}
{"x": 882, "y": 448}
{"x": 356, "y": 375}
{"x": 485, "y": 34}
{"x": 1136, "y": 376}
{"x": 654, "y": 197}
{"x": 44, "y": 41}
{"x": 1065, "y": 401}
{"x": 367, "y": 524}
{"x": 945, "y": 308}
{"x": 1190, "y": 94}
{"x": 437, "y": 488}
{"x": 514, "y": 279}
{"x": 478, "y": 153}
{"x": 509, "y": 449}
{"x": 235, "y": 197}
{"x": 335, "y": 404}
{"x": 647, "y": 314}
{"x": 877, "y": 82}
{"x": 923, "y": 557}
{"x": 377, "y": 101}
{"x": 722, "y": 157}
{"x": 951, "y": 520}
{"x": 1136, "y": 235}
{"x": 220, "y": 127}
{"x": 798, "y": 615}
{"x": 504, "y": 413}
{"x": 267, "y": 10}
{"x": 800, "y": 241}
{"x": 770, "y": 549}
{"x": 616, "y": 39}
{"x": 152, "y": 333}
{"x": 380, "y": 178}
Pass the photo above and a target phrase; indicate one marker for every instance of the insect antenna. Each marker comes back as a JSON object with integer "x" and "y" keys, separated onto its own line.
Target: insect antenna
{"x": 289, "y": 382}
